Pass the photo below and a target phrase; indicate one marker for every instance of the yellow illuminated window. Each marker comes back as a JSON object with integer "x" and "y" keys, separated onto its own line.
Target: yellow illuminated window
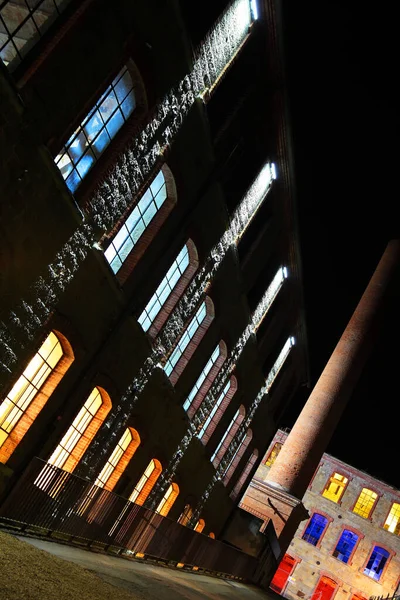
{"x": 200, "y": 525}
{"x": 77, "y": 429}
{"x": 114, "y": 459}
{"x": 28, "y": 385}
{"x": 392, "y": 523}
{"x": 335, "y": 487}
{"x": 146, "y": 482}
{"x": 274, "y": 454}
{"x": 365, "y": 502}
{"x": 186, "y": 515}
{"x": 169, "y": 498}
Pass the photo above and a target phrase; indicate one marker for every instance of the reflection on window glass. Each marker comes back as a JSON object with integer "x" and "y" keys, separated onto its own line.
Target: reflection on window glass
{"x": 185, "y": 339}
{"x": 22, "y": 23}
{"x": 136, "y": 223}
{"x": 165, "y": 288}
{"x": 96, "y": 131}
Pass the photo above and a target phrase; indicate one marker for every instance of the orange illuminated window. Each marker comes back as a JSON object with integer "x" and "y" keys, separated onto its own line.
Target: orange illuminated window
{"x": 83, "y": 429}
{"x": 186, "y": 515}
{"x": 167, "y": 501}
{"x": 392, "y": 522}
{"x": 146, "y": 482}
{"x": 200, "y": 525}
{"x": 119, "y": 459}
{"x": 32, "y": 390}
{"x": 365, "y": 503}
{"x": 335, "y": 487}
{"x": 211, "y": 535}
{"x": 273, "y": 454}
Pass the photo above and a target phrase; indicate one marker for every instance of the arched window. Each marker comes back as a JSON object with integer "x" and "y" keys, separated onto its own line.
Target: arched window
{"x": 83, "y": 429}
{"x": 97, "y": 129}
{"x": 119, "y": 459}
{"x": 237, "y": 455}
{"x": 31, "y": 391}
{"x": 22, "y": 24}
{"x": 146, "y": 482}
{"x": 392, "y": 522}
{"x": 345, "y": 545}
{"x": 218, "y": 410}
{"x": 200, "y": 525}
{"x": 168, "y": 499}
{"x": 171, "y": 288}
{"x": 376, "y": 563}
{"x": 365, "y": 503}
{"x": 205, "y": 379}
{"x": 228, "y": 436}
{"x": 315, "y": 529}
{"x": 325, "y": 589}
{"x": 186, "y": 515}
{"x": 273, "y": 455}
{"x": 138, "y": 229}
{"x": 189, "y": 340}
{"x": 335, "y": 487}
{"x": 245, "y": 473}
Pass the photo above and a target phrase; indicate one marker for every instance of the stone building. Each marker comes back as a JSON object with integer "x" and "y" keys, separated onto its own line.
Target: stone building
{"x": 349, "y": 546}
{"x": 151, "y": 331}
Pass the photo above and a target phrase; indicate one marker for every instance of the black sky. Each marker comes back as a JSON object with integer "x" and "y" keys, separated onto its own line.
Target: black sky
{"x": 343, "y": 71}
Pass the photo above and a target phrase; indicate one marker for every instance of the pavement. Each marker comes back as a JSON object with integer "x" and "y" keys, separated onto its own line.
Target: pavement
{"x": 152, "y": 582}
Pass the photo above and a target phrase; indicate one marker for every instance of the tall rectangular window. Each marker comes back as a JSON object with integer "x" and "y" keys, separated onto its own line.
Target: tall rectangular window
{"x": 365, "y": 503}
{"x": 136, "y": 223}
{"x": 203, "y": 375}
{"x": 165, "y": 288}
{"x": 93, "y": 135}
{"x": 392, "y": 522}
{"x": 345, "y": 545}
{"x": 335, "y": 487}
{"x": 315, "y": 529}
{"x": 376, "y": 563}
{"x": 185, "y": 338}
{"x": 215, "y": 409}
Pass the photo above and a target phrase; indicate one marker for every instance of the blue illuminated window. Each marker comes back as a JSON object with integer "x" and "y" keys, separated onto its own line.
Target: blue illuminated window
{"x": 185, "y": 339}
{"x": 136, "y": 223}
{"x": 165, "y": 288}
{"x": 345, "y": 545}
{"x": 315, "y": 528}
{"x": 22, "y": 24}
{"x": 376, "y": 563}
{"x": 210, "y": 363}
{"x": 93, "y": 135}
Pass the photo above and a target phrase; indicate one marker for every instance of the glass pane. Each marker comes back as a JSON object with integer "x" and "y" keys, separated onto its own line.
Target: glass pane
{"x": 101, "y": 142}
{"x": 157, "y": 183}
{"x": 129, "y": 105}
{"x": 123, "y": 87}
{"x": 85, "y": 163}
{"x": 108, "y": 106}
{"x": 77, "y": 146}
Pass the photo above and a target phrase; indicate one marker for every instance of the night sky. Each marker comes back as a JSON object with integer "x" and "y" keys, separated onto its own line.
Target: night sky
{"x": 343, "y": 65}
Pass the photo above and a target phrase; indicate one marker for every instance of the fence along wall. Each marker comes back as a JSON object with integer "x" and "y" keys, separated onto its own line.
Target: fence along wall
{"x": 52, "y": 500}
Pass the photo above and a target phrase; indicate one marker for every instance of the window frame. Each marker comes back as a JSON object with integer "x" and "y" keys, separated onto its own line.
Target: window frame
{"x": 122, "y": 463}
{"x": 148, "y": 483}
{"x": 219, "y": 412}
{"x": 329, "y": 519}
{"x": 392, "y": 502}
{"x": 391, "y": 553}
{"x": 378, "y": 496}
{"x": 271, "y": 452}
{"x": 344, "y": 487}
{"x": 360, "y": 537}
{"x": 228, "y": 436}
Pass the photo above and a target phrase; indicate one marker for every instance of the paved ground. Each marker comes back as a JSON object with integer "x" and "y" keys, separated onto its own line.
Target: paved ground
{"x": 150, "y": 582}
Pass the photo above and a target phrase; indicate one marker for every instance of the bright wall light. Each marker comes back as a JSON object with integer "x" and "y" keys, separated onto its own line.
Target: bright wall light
{"x": 254, "y": 9}
{"x": 274, "y": 174}
{"x": 285, "y": 272}
{"x": 292, "y": 341}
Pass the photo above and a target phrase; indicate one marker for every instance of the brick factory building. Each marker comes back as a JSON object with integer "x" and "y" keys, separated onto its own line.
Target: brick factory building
{"x": 349, "y": 546}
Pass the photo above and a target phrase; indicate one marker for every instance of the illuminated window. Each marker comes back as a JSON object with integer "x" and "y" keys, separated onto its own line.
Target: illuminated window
{"x": 273, "y": 454}
{"x": 376, "y": 563}
{"x": 136, "y": 223}
{"x": 205, "y": 379}
{"x": 22, "y": 24}
{"x": 189, "y": 340}
{"x": 31, "y": 391}
{"x": 365, "y": 503}
{"x": 146, "y": 482}
{"x": 245, "y": 473}
{"x": 335, "y": 487}
{"x": 325, "y": 589}
{"x": 345, "y": 546}
{"x": 228, "y": 436}
{"x": 392, "y": 522}
{"x": 315, "y": 529}
{"x": 168, "y": 499}
{"x": 200, "y": 525}
{"x": 218, "y": 410}
{"x": 93, "y": 135}
{"x": 236, "y": 456}
{"x": 186, "y": 515}
{"x": 170, "y": 288}
{"x": 119, "y": 459}
{"x": 282, "y": 573}
{"x": 211, "y": 535}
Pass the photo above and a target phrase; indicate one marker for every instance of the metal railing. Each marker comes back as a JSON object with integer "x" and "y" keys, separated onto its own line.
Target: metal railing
{"x": 50, "y": 500}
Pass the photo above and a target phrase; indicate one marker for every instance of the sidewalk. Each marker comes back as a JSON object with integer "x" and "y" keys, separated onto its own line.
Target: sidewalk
{"x": 149, "y": 582}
